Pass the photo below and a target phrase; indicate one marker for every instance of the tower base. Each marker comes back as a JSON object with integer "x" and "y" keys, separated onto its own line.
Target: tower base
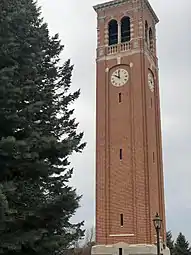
{"x": 127, "y": 249}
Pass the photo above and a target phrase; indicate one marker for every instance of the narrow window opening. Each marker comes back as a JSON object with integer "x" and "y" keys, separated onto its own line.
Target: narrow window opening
{"x": 113, "y": 32}
{"x": 119, "y": 97}
{"x": 121, "y": 220}
{"x": 153, "y": 157}
{"x": 151, "y": 103}
{"x": 125, "y": 29}
{"x": 151, "y": 39}
{"x": 120, "y": 251}
{"x": 120, "y": 154}
{"x": 146, "y": 32}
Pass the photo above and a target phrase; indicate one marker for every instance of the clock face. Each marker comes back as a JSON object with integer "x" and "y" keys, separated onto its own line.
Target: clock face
{"x": 151, "y": 82}
{"x": 119, "y": 77}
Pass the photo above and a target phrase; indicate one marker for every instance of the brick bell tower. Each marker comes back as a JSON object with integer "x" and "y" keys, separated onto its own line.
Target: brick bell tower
{"x": 129, "y": 172}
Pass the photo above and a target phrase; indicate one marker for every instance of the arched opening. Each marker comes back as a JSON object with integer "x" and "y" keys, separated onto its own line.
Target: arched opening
{"x": 146, "y": 32}
{"x": 113, "y": 32}
{"x": 150, "y": 39}
{"x": 125, "y": 29}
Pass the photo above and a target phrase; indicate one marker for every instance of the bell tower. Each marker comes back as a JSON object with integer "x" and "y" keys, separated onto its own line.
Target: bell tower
{"x": 129, "y": 172}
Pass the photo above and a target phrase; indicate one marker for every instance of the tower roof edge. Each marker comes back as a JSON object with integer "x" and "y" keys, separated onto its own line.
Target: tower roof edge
{"x": 115, "y": 3}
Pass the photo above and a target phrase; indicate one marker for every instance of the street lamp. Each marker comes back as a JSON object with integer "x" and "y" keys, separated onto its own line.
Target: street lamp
{"x": 157, "y": 224}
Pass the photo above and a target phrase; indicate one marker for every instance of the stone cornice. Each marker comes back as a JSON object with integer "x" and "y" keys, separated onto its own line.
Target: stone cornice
{"x": 114, "y": 3}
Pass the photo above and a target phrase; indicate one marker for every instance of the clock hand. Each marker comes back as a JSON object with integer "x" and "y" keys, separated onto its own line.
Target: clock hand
{"x": 117, "y": 76}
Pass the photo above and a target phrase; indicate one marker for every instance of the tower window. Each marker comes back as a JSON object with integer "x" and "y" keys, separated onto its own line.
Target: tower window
{"x": 153, "y": 157}
{"x": 150, "y": 39}
{"x": 146, "y": 32}
{"x": 125, "y": 29}
{"x": 120, "y": 154}
{"x": 119, "y": 97}
{"x": 113, "y": 32}
{"x": 151, "y": 103}
{"x": 120, "y": 251}
{"x": 121, "y": 220}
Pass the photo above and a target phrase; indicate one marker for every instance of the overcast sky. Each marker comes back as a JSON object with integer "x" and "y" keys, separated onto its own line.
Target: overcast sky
{"x": 75, "y": 21}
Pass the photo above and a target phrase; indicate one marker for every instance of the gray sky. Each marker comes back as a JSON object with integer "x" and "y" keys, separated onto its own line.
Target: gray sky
{"x": 75, "y": 21}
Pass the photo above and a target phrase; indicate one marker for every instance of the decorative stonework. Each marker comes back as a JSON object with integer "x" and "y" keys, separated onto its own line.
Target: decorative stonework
{"x": 131, "y": 64}
{"x": 141, "y": 29}
{"x": 101, "y": 52}
{"x": 121, "y": 54}
{"x": 152, "y": 63}
{"x": 116, "y": 3}
{"x": 118, "y": 60}
{"x": 129, "y": 53}
{"x": 151, "y": 67}
{"x": 128, "y": 14}
{"x": 135, "y": 44}
{"x": 98, "y": 37}
{"x": 131, "y": 30}
{"x": 101, "y": 18}
{"x": 109, "y": 4}
{"x": 116, "y": 235}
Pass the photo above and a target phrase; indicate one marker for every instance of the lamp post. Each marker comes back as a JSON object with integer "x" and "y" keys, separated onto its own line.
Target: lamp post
{"x": 157, "y": 224}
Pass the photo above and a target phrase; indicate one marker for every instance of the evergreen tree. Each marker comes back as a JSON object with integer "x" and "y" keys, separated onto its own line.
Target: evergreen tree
{"x": 170, "y": 242}
{"x": 38, "y": 133}
{"x": 181, "y": 246}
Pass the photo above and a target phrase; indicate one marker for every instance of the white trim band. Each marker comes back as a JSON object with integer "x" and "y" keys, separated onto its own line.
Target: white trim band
{"x": 113, "y": 235}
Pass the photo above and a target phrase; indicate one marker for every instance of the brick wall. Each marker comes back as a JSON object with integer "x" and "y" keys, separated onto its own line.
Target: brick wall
{"x": 133, "y": 185}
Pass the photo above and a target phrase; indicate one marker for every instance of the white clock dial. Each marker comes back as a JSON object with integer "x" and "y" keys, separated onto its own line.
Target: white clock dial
{"x": 151, "y": 82}
{"x": 119, "y": 77}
